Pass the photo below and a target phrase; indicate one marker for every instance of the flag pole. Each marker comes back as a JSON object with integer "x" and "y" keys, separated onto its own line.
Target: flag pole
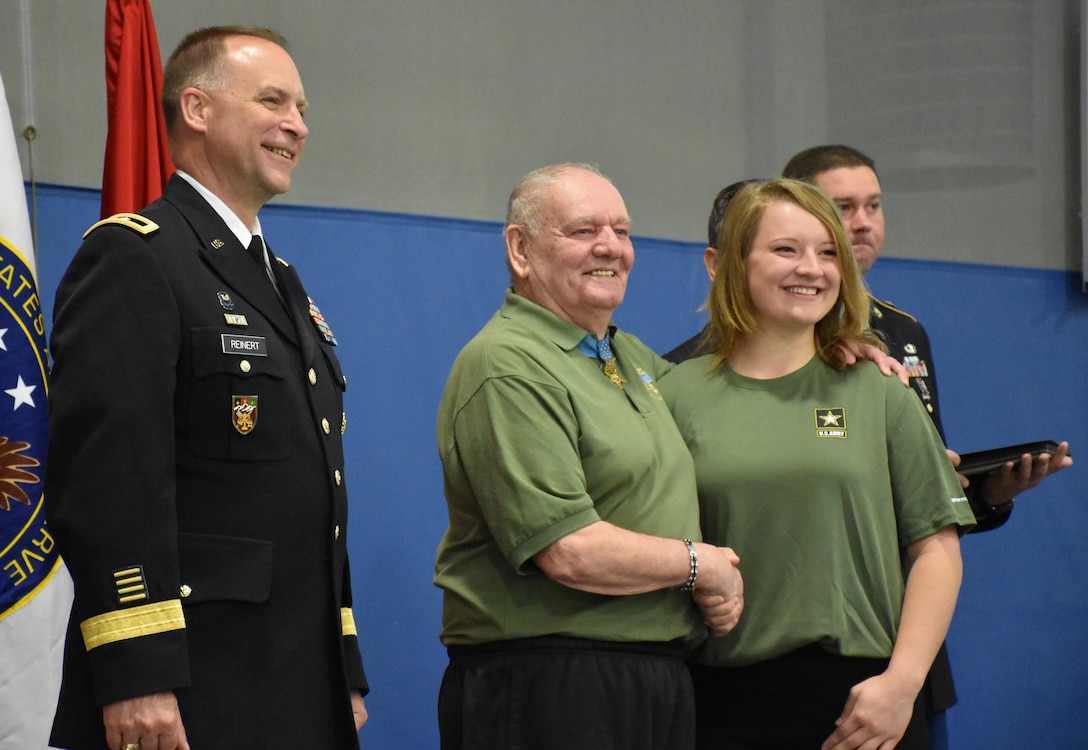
{"x": 29, "y": 134}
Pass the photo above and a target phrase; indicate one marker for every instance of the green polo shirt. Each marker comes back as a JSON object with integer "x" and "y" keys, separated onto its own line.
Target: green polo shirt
{"x": 536, "y": 442}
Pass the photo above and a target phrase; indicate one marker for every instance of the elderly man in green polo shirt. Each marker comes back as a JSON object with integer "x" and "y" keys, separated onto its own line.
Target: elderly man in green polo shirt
{"x": 574, "y": 579}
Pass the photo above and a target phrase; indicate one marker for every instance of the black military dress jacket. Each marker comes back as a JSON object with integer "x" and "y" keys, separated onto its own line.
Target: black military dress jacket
{"x": 195, "y": 487}
{"x": 908, "y": 343}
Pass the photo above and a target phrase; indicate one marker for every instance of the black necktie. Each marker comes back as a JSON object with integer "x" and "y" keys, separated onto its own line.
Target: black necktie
{"x": 257, "y": 251}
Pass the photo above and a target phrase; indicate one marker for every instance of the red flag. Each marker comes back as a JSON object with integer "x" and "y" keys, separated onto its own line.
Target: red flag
{"x": 137, "y": 153}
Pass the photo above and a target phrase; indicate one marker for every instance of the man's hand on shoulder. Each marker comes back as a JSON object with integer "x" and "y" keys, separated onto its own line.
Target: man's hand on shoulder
{"x": 850, "y": 352}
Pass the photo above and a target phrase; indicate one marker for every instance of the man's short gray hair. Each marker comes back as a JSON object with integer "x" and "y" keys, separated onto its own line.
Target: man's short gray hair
{"x": 526, "y": 205}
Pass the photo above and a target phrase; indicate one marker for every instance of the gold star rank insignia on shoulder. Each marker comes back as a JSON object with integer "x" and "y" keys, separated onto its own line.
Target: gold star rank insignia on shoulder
{"x": 831, "y": 422}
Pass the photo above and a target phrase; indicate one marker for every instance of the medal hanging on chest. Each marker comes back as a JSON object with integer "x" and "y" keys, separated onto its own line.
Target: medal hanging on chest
{"x": 604, "y": 351}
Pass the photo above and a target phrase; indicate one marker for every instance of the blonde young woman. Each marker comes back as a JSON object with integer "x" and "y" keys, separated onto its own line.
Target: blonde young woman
{"x": 830, "y": 483}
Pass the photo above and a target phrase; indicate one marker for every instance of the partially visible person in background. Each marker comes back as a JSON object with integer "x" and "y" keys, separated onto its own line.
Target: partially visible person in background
{"x": 698, "y": 343}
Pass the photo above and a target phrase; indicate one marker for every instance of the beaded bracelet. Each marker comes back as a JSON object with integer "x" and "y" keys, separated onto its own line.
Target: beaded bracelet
{"x": 693, "y": 573}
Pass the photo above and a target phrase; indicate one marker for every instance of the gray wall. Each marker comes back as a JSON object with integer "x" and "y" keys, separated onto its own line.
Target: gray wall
{"x": 971, "y": 108}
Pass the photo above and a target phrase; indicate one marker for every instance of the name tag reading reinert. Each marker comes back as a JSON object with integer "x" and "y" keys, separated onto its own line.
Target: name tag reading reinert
{"x": 244, "y": 408}
{"x": 252, "y": 345}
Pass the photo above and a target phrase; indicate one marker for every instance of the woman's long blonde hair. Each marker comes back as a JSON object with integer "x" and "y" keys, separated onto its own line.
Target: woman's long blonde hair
{"x": 732, "y": 312}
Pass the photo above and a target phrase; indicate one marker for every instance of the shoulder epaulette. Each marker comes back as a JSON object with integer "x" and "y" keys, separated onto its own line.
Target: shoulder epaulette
{"x": 135, "y": 222}
{"x": 892, "y": 308}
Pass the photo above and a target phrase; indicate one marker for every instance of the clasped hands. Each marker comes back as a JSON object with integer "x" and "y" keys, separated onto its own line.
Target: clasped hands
{"x": 719, "y": 588}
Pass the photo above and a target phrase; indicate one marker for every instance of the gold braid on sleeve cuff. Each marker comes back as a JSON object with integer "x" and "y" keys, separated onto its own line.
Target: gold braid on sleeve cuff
{"x": 132, "y": 622}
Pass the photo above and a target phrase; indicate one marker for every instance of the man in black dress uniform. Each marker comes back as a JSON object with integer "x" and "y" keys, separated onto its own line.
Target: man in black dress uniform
{"x": 196, "y": 478}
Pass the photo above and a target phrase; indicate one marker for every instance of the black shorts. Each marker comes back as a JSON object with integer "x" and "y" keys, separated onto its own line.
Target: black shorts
{"x": 566, "y": 694}
{"x": 787, "y": 703}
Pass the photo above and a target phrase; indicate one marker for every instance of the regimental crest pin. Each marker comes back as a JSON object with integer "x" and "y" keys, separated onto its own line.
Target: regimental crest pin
{"x": 320, "y": 324}
{"x": 831, "y": 422}
{"x": 244, "y": 413}
{"x": 225, "y": 301}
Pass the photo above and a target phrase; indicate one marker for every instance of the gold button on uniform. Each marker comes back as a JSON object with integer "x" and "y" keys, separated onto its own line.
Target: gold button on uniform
{"x": 336, "y": 532}
{"x": 244, "y": 365}
{"x": 325, "y": 426}
{"x": 313, "y": 376}
{"x": 339, "y": 477}
{"x": 343, "y": 422}
{"x": 186, "y": 590}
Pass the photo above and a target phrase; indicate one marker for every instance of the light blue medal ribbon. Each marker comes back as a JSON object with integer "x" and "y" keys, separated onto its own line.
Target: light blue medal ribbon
{"x": 604, "y": 351}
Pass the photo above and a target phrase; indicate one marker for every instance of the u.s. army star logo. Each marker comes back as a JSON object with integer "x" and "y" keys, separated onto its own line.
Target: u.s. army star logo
{"x": 831, "y": 422}
{"x": 244, "y": 413}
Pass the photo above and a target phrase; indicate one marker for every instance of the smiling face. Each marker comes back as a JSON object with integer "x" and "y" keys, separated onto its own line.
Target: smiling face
{"x": 855, "y": 191}
{"x": 253, "y": 127}
{"x": 792, "y": 268}
{"x": 577, "y": 264}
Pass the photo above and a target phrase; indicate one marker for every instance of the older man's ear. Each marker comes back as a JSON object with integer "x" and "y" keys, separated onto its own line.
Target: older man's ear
{"x": 517, "y": 255}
